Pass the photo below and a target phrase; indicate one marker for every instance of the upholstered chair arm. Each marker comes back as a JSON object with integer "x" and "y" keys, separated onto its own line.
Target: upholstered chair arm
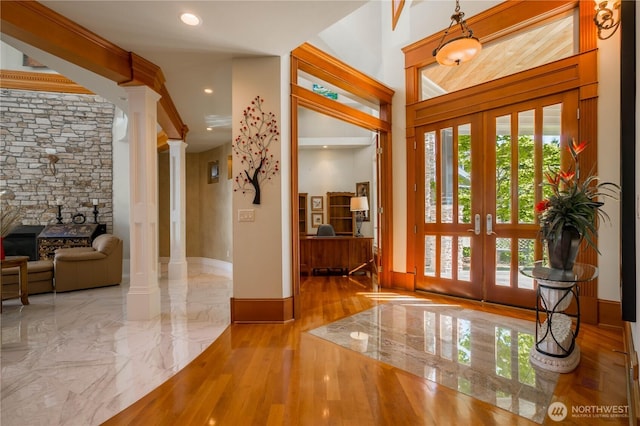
{"x": 70, "y": 250}
{"x": 78, "y": 255}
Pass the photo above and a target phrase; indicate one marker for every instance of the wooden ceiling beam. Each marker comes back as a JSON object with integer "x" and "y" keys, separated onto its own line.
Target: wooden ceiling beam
{"x": 41, "y": 27}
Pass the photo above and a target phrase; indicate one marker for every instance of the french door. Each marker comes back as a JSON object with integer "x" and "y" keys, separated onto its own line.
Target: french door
{"x": 482, "y": 176}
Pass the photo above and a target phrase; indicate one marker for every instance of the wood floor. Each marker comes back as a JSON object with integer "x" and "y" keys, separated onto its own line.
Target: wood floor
{"x": 276, "y": 374}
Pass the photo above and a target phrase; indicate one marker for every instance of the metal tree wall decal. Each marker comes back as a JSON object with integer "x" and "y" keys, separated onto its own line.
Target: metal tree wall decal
{"x": 258, "y": 131}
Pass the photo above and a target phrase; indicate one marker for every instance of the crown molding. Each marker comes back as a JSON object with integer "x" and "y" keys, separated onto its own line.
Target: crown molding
{"x": 39, "y": 82}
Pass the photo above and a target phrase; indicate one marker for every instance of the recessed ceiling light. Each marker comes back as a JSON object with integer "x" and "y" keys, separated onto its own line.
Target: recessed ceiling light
{"x": 209, "y": 129}
{"x": 208, "y": 91}
{"x": 190, "y": 19}
{"x": 325, "y": 146}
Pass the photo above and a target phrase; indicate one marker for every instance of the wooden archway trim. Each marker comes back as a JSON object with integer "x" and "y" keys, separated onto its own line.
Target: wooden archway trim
{"x": 41, "y": 27}
{"x": 313, "y": 61}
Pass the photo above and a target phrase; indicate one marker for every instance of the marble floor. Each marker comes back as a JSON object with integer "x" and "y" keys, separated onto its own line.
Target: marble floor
{"x": 480, "y": 354}
{"x": 73, "y": 358}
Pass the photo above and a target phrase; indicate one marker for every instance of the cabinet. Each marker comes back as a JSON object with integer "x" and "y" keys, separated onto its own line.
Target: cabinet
{"x": 302, "y": 213}
{"x": 68, "y": 235}
{"x": 339, "y": 212}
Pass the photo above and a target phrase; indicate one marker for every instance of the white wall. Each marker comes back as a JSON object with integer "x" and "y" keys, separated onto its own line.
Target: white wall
{"x": 334, "y": 170}
{"x": 258, "y": 250}
{"x": 609, "y": 163}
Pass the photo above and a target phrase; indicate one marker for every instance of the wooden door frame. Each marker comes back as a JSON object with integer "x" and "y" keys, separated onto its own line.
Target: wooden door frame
{"x": 576, "y": 72}
{"x": 313, "y": 61}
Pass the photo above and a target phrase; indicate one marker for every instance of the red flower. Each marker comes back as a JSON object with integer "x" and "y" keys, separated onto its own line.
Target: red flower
{"x": 566, "y": 176}
{"x": 542, "y": 206}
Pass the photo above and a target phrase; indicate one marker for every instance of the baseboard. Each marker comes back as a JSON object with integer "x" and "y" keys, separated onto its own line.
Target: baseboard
{"x": 257, "y": 311}
{"x": 609, "y": 313}
{"x": 633, "y": 384}
{"x": 403, "y": 280}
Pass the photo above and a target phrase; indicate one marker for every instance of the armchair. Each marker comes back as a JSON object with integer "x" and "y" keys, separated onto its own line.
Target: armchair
{"x": 88, "y": 267}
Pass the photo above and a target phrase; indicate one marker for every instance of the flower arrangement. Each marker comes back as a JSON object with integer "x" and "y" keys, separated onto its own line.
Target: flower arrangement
{"x": 574, "y": 202}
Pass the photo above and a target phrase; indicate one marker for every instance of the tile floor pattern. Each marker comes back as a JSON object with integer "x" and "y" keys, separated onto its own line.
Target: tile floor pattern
{"x": 73, "y": 359}
{"x": 480, "y": 354}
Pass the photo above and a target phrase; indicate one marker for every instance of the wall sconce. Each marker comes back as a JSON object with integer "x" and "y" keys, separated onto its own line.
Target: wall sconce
{"x": 607, "y": 17}
{"x": 53, "y": 159}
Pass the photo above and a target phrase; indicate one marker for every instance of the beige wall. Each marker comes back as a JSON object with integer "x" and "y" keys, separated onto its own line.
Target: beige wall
{"x": 208, "y": 206}
{"x": 214, "y": 225}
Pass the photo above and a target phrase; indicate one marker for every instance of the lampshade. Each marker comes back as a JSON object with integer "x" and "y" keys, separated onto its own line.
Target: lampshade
{"x": 359, "y": 204}
{"x": 458, "y": 50}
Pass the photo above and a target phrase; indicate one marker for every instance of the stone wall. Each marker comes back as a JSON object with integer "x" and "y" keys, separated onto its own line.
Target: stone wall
{"x": 79, "y": 129}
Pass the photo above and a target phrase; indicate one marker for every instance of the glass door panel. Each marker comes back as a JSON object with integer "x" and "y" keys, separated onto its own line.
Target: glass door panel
{"x": 449, "y": 237}
{"x": 527, "y": 141}
{"x": 482, "y": 179}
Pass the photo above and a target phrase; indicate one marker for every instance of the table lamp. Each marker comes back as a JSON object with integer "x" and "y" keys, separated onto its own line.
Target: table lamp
{"x": 359, "y": 205}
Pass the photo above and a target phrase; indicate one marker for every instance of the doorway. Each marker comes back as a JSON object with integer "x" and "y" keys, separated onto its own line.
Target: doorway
{"x": 481, "y": 178}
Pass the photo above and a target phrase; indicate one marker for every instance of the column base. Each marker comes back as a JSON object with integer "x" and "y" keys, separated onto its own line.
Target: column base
{"x": 557, "y": 365}
{"x": 177, "y": 270}
{"x": 143, "y": 306}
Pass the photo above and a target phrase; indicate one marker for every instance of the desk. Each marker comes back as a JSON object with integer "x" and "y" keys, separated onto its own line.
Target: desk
{"x": 556, "y": 333}
{"x": 21, "y": 262}
{"x": 340, "y": 252}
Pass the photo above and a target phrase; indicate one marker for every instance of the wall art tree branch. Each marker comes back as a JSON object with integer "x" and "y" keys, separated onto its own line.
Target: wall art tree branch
{"x": 258, "y": 131}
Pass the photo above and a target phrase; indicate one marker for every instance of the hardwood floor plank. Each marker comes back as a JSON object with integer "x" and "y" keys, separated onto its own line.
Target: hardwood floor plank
{"x": 277, "y": 374}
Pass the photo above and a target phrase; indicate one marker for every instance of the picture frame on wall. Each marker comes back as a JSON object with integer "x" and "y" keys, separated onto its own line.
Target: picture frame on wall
{"x": 362, "y": 190}
{"x": 316, "y": 219}
{"x": 214, "y": 172}
{"x": 317, "y": 203}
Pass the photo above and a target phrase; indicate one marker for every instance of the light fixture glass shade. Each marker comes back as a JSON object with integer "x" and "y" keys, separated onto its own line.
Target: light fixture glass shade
{"x": 359, "y": 204}
{"x": 458, "y": 50}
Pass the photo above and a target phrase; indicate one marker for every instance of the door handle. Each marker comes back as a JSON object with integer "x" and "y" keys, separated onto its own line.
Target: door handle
{"x": 476, "y": 225}
{"x": 490, "y": 225}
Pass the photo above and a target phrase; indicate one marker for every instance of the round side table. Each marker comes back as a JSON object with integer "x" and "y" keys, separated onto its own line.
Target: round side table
{"x": 556, "y": 349}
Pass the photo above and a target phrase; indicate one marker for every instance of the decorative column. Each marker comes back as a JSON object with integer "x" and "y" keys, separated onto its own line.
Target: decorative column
{"x": 143, "y": 299}
{"x": 177, "y": 206}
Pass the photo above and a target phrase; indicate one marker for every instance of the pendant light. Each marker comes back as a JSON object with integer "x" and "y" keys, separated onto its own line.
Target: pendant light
{"x": 460, "y": 49}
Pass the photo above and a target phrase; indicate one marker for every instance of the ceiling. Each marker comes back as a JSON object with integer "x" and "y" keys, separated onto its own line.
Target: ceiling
{"x": 195, "y": 58}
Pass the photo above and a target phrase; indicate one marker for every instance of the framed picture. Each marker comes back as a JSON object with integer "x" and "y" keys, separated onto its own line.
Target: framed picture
{"x": 214, "y": 172}
{"x": 362, "y": 190}
{"x": 316, "y": 219}
{"x": 316, "y": 203}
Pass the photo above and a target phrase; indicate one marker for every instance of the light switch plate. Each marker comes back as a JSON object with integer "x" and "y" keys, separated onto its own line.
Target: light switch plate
{"x": 246, "y": 215}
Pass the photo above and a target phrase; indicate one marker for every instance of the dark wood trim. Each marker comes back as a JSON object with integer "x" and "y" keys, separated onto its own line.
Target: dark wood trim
{"x": 628, "y": 84}
{"x": 40, "y": 82}
{"x": 254, "y": 311}
{"x": 41, "y": 27}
